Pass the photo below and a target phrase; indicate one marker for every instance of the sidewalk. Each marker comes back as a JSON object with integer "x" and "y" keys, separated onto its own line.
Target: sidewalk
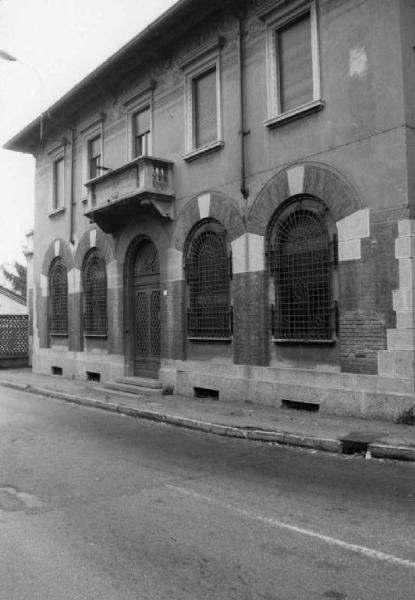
{"x": 240, "y": 420}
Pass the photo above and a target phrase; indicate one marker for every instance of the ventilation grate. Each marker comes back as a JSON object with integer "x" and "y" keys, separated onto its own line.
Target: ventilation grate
{"x": 200, "y": 392}
{"x": 297, "y": 405}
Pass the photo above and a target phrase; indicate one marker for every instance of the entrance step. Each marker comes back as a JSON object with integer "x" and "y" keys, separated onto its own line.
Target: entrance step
{"x": 137, "y": 386}
{"x": 140, "y": 381}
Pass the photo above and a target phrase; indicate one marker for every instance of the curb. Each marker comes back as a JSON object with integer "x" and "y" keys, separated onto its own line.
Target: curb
{"x": 377, "y": 450}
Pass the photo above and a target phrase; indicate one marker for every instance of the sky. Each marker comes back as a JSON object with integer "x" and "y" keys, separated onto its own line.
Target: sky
{"x": 57, "y": 42}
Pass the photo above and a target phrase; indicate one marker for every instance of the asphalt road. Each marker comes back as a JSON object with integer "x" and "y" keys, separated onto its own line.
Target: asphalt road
{"x": 99, "y": 506}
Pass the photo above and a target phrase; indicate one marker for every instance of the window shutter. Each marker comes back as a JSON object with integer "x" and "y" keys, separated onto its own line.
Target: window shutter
{"x": 205, "y": 109}
{"x": 142, "y": 122}
{"x": 295, "y": 64}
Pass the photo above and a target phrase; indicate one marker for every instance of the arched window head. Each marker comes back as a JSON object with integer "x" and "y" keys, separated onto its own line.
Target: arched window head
{"x": 58, "y": 298}
{"x": 94, "y": 288}
{"x": 302, "y": 257}
{"x": 208, "y": 273}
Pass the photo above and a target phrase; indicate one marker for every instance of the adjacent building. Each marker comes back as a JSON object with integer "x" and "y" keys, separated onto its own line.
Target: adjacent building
{"x": 227, "y": 204}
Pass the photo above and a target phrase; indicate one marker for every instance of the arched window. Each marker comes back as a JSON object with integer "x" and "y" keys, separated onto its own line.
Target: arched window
{"x": 58, "y": 298}
{"x": 302, "y": 258}
{"x": 208, "y": 273}
{"x": 94, "y": 288}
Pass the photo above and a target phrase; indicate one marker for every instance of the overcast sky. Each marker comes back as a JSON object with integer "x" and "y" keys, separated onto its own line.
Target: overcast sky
{"x": 63, "y": 40}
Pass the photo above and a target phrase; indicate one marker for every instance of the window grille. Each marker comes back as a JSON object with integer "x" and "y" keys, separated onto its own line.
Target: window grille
{"x": 301, "y": 261}
{"x": 205, "y": 109}
{"x": 58, "y": 298}
{"x": 94, "y": 287}
{"x": 208, "y": 275}
{"x": 147, "y": 259}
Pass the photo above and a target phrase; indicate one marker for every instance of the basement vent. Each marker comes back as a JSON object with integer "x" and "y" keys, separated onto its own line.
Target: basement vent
{"x": 199, "y": 392}
{"x": 297, "y": 405}
{"x": 57, "y": 371}
{"x": 92, "y": 376}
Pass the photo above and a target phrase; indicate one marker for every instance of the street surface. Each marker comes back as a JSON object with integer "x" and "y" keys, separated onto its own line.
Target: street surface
{"x": 99, "y": 506}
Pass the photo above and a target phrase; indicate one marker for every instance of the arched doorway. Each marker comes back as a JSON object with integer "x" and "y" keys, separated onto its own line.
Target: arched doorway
{"x": 145, "y": 309}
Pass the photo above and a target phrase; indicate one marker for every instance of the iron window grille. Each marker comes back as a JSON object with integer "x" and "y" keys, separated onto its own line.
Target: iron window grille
{"x": 94, "y": 287}
{"x": 301, "y": 260}
{"x": 147, "y": 260}
{"x": 208, "y": 274}
{"x": 58, "y": 298}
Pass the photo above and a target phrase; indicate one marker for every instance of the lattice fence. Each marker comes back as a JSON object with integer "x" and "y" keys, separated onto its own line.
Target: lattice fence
{"x": 13, "y": 336}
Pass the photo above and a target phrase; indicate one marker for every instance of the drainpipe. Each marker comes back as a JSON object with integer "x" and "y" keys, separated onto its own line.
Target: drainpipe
{"x": 242, "y": 132}
{"x": 71, "y": 189}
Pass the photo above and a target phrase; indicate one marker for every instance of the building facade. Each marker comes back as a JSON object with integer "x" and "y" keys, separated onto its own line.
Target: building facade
{"x": 227, "y": 204}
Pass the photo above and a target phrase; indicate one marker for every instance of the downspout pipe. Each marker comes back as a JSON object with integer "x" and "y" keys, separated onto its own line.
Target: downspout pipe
{"x": 242, "y": 132}
{"x": 71, "y": 189}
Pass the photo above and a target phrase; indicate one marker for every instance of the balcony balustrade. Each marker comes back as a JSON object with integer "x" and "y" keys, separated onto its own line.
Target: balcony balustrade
{"x": 119, "y": 194}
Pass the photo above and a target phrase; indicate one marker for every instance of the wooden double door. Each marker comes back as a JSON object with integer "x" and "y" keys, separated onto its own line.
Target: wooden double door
{"x": 146, "y": 310}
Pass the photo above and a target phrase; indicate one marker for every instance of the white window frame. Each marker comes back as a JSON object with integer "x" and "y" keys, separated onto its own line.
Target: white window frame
{"x": 56, "y": 154}
{"x": 133, "y": 105}
{"x": 89, "y": 132}
{"x": 206, "y": 58}
{"x": 275, "y": 21}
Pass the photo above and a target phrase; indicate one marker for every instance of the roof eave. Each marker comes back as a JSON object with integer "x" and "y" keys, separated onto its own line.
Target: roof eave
{"x": 28, "y": 139}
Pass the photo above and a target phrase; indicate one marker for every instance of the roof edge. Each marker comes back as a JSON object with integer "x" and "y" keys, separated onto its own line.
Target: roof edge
{"x": 18, "y": 143}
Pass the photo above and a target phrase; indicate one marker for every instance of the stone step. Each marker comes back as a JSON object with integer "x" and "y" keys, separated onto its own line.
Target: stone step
{"x": 140, "y": 382}
{"x": 135, "y": 390}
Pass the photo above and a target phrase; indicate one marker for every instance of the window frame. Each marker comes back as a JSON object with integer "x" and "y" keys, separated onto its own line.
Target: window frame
{"x": 87, "y": 296}
{"x": 224, "y": 333}
{"x": 277, "y": 21}
{"x": 198, "y": 63}
{"x": 146, "y": 135}
{"x": 91, "y": 130}
{"x": 57, "y": 154}
{"x": 58, "y": 196}
{"x": 139, "y": 101}
{"x": 306, "y": 203}
{"x": 91, "y": 157}
{"x": 64, "y": 331}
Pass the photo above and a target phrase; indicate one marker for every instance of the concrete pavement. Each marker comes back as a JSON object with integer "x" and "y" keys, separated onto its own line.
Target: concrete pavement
{"x": 378, "y": 439}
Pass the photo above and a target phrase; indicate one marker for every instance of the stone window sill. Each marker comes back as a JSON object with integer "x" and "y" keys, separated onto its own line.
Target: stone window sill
{"x": 226, "y": 340}
{"x": 57, "y": 211}
{"x": 96, "y": 335}
{"x": 208, "y": 149}
{"x": 296, "y": 113}
{"x": 329, "y": 342}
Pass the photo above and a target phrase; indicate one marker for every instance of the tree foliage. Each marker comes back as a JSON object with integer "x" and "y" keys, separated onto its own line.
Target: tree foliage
{"x": 16, "y": 277}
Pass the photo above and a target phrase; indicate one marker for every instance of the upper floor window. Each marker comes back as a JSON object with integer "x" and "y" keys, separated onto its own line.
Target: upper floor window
{"x": 141, "y": 132}
{"x": 94, "y": 157}
{"x": 205, "y": 110}
{"x": 293, "y": 63}
{"x": 202, "y": 70}
{"x": 58, "y": 298}
{"x": 58, "y": 184}
{"x": 302, "y": 260}
{"x": 208, "y": 273}
{"x": 94, "y": 288}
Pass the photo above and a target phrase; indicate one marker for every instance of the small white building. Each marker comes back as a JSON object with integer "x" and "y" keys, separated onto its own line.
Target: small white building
{"x": 11, "y": 303}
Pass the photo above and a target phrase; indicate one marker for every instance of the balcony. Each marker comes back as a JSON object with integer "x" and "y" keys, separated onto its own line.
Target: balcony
{"x": 119, "y": 194}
